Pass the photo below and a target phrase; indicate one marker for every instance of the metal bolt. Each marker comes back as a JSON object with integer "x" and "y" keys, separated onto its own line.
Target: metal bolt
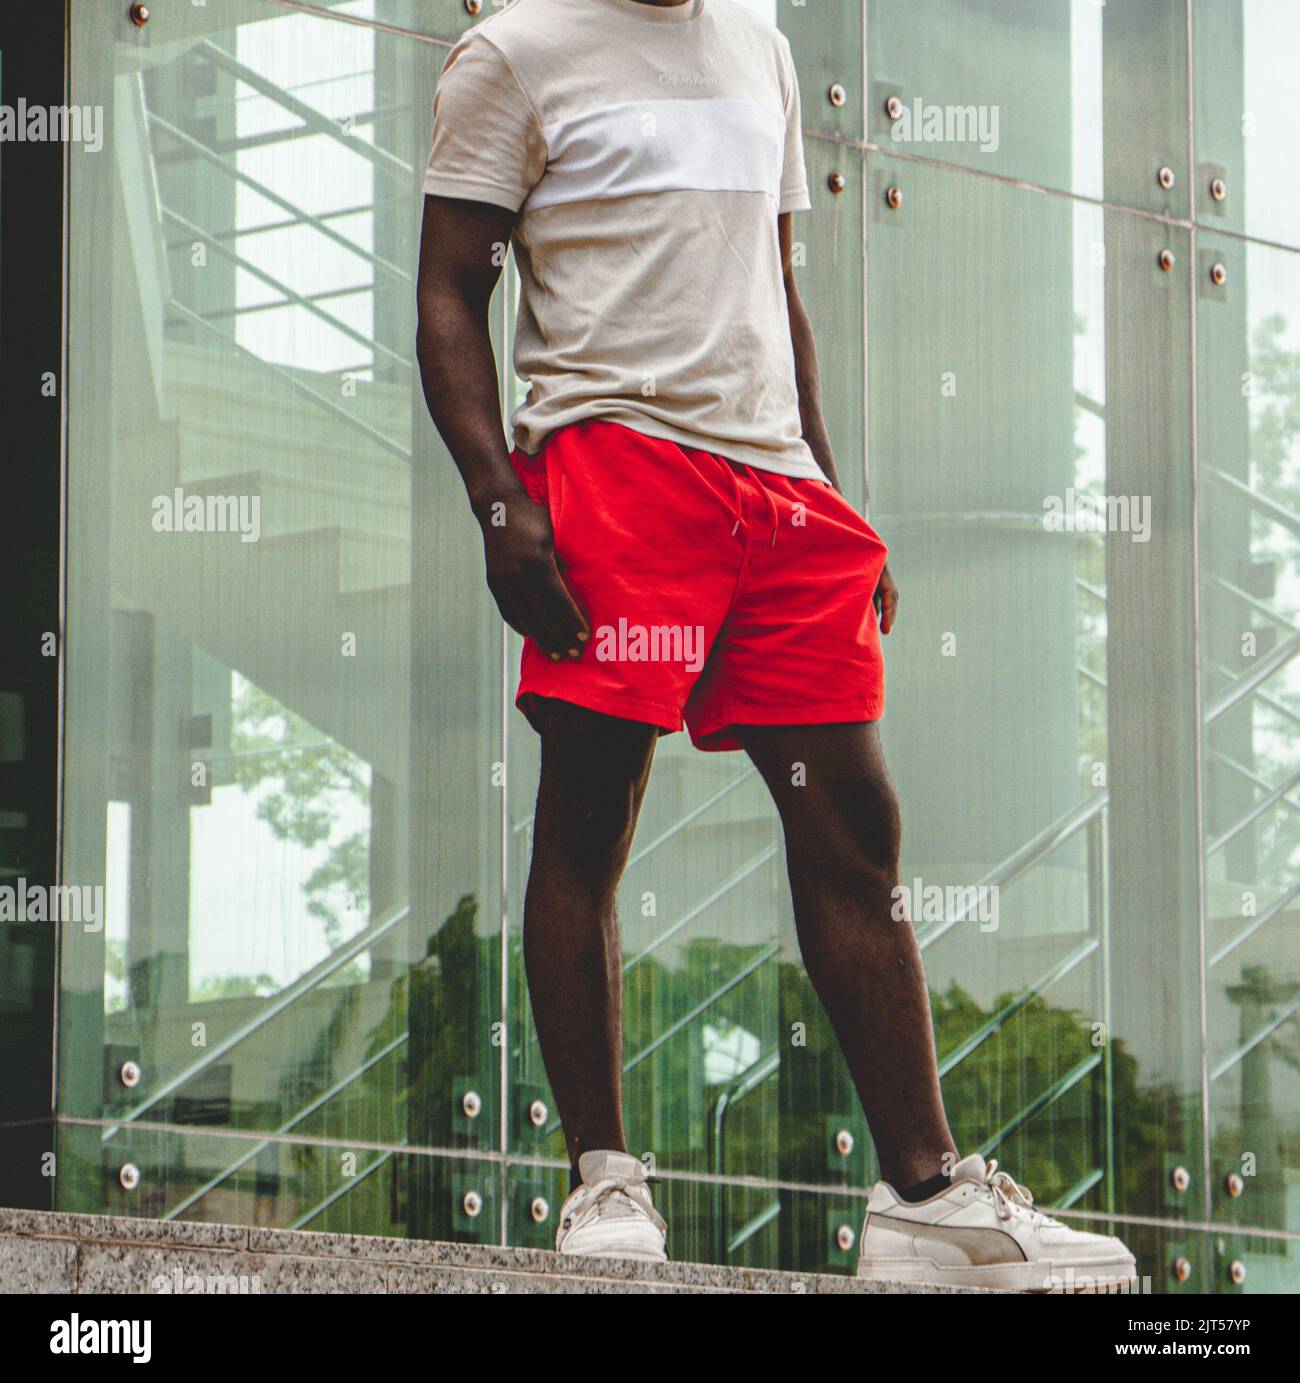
{"x": 1233, "y": 1184}
{"x": 893, "y": 108}
{"x": 837, "y": 95}
{"x": 472, "y": 1203}
{"x": 129, "y": 1176}
{"x": 129, "y": 1074}
{"x": 1180, "y": 1177}
{"x": 139, "y": 14}
{"x": 537, "y": 1112}
{"x": 894, "y": 198}
{"x": 844, "y": 1142}
{"x": 1167, "y": 262}
{"x": 1182, "y": 1269}
{"x": 837, "y": 183}
{"x": 1165, "y": 177}
{"x": 473, "y": 6}
{"x": 845, "y": 1238}
{"x": 539, "y": 1209}
{"x": 1219, "y": 275}
{"x": 1237, "y": 1271}
{"x": 472, "y": 1104}
{"x": 1218, "y": 189}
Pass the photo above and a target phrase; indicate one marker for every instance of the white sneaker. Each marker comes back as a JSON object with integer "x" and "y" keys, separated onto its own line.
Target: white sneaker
{"x": 983, "y": 1231}
{"x": 611, "y": 1214}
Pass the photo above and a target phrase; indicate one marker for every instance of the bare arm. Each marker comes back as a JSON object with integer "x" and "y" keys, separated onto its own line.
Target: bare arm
{"x": 807, "y": 375}
{"x": 808, "y": 383}
{"x": 462, "y": 248}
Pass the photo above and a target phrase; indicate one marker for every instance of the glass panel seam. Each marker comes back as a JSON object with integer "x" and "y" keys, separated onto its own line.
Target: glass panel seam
{"x": 957, "y": 169}
{"x": 1198, "y": 714}
{"x": 61, "y": 674}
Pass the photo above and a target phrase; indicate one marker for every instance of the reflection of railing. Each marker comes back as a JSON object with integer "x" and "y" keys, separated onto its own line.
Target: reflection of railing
{"x": 275, "y": 1006}
{"x": 1279, "y": 513}
{"x": 348, "y": 1185}
{"x": 1250, "y": 688}
{"x": 305, "y": 1112}
{"x": 306, "y": 120}
{"x": 298, "y": 215}
{"x": 313, "y": 122}
{"x": 1239, "y": 689}
{"x": 291, "y": 295}
{"x": 1021, "y": 861}
{"x": 294, "y": 383}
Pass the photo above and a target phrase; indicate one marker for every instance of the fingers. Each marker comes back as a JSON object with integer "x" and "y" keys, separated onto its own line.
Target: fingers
{"x": 554, "y": 621}
{"x": 509, "y": 609}
{"x": 885, "y": 600}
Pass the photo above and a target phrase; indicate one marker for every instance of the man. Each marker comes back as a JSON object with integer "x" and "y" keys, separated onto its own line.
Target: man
{"x": 669, "y": 537}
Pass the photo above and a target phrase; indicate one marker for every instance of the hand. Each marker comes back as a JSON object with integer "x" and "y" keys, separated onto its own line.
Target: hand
{"x": 886, "y": 600}
{"x": 525, "y": 580}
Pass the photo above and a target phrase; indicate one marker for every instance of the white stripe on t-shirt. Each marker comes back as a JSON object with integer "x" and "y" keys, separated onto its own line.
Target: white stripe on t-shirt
{"x": 704, "y": 143}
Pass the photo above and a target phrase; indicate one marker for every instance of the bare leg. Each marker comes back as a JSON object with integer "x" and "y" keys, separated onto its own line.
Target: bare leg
{"x": 595, "y": 769}
{"x": 842, "y": 832}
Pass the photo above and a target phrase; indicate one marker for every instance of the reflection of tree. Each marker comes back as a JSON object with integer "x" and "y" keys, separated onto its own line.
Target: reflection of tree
{"x": 1275, "y": 417}
{"x": 1026, "y": 1056}
{"x": 1250, "y": 1128}
{"x": 1091, "y": 613}
{"x": 447, "y": 1005}
{"x": 1275, "y": 467}
{"x": 303, "y": 783}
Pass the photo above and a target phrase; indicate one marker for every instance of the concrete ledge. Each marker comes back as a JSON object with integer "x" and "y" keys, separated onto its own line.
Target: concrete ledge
{"x": 51, "y": 1251}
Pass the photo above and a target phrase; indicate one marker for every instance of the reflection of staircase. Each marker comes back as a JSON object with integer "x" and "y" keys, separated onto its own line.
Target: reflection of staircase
{"x": 333, "y": 557}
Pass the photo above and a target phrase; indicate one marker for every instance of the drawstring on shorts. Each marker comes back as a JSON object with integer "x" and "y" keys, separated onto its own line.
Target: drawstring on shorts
{"x": 738, "y": 503}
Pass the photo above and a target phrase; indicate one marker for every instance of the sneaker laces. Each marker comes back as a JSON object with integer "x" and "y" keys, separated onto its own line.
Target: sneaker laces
{"x": 1010, "y": 1196}
{"x": 611, "y": 1199}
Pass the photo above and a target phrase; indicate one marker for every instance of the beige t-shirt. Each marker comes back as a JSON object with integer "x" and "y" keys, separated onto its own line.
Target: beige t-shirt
{"x": 648, "y": 151}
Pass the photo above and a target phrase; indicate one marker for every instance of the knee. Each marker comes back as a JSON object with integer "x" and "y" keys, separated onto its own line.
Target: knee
{"x": 586, "y": 829}
{"x": 869, "y": 832}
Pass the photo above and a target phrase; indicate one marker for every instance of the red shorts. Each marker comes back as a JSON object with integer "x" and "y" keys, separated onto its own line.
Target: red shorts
{"x": 717, "y": 594}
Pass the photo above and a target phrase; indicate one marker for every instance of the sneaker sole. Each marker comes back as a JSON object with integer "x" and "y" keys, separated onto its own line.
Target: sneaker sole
{"x": 1101, "y": 1278}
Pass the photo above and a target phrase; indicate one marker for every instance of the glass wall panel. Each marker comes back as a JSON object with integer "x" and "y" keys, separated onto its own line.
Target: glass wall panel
{"x": 1068, "y": 94}
{"x": 279, "y": 1184}
{"x": 1247, "y": 117}
{"x": 296, "y": 776}
{"x": 829, "y": 53}
{"x": 1249, "y": 454}
{"x": 1005, "y": 411}
{"x": 279, "y": 757}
